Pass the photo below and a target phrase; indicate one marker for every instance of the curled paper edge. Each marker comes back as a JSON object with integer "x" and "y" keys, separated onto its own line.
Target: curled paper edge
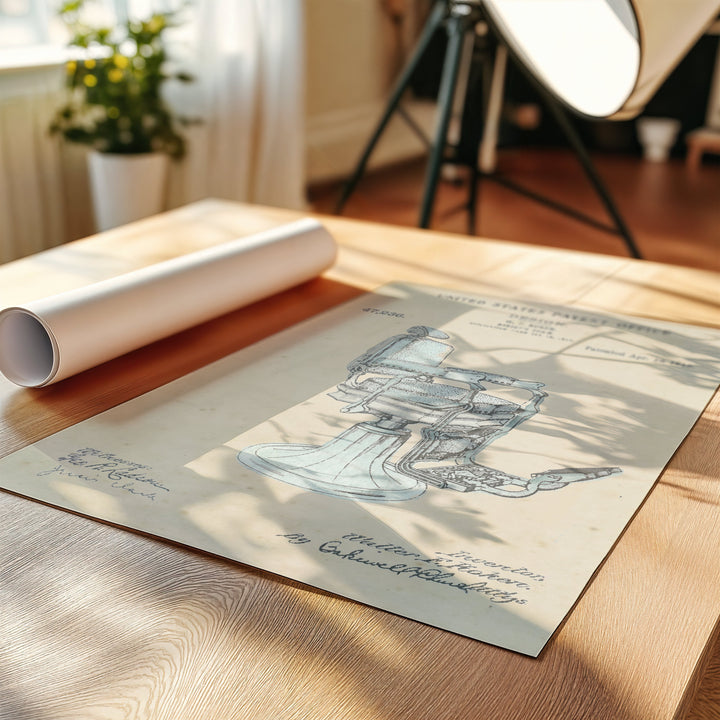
{"x": 50, "y": 339}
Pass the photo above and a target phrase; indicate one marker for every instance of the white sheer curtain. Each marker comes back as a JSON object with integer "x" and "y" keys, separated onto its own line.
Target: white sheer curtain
{"x": 248, "y": 58}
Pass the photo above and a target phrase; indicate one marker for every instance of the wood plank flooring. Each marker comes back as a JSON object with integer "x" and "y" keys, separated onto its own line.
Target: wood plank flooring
{"x": 672, "y": 212}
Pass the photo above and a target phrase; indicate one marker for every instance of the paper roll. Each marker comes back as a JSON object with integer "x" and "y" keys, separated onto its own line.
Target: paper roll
{"x": 47, "y": 340}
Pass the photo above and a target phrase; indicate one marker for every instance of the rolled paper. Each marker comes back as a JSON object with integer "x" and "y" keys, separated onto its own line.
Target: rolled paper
{"x": 52, "y": 338}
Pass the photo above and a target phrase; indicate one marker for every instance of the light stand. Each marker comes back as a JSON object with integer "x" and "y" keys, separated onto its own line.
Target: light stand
{"x": 459, "y": 17}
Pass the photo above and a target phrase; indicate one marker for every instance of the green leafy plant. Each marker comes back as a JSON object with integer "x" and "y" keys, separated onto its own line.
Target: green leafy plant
{"x": 114, "y": 102}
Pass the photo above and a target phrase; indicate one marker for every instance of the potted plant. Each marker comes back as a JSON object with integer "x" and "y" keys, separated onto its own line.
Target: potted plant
{"x": 115, "y": 106}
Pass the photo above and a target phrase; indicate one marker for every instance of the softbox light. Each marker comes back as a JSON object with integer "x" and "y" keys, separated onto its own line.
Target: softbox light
{"x": 602, "y": 58}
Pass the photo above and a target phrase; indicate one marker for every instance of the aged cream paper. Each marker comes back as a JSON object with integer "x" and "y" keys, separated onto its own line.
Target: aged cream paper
{"x": 466, "y": 462}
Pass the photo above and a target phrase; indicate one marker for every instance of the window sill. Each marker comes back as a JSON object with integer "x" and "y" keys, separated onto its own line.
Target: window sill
{"x": 32, "y": 58}
{"x": 38, "y": 57}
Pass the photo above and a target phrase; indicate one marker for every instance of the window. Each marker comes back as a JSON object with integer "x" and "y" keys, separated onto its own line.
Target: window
{"x": 24, "y": 23}
{"x": 32, "y": 34}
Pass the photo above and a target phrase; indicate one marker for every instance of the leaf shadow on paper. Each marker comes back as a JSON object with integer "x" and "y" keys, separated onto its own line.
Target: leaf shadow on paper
{"x": 586, "y": 435}
{"x": 616, "y": 420}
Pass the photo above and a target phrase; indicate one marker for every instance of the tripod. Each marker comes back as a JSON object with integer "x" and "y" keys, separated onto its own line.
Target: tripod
{"x": 460, "y": 17}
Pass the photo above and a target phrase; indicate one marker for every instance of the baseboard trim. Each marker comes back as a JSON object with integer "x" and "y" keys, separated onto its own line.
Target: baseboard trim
{"x": 335, "y": 139}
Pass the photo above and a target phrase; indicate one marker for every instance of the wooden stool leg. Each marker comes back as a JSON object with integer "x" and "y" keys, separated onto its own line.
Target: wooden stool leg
{"x": 694, "y": 156}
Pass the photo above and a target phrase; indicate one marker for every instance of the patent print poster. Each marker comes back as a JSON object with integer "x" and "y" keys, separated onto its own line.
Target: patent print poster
{"x": 465, "y": 462}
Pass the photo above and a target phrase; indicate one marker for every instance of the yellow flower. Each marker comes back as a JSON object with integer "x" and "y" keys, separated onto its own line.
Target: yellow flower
{"x": 113, "y": 113}
{"x": 156, "y": 23}
{"x": 71, "y": 67}
{"x": 89, "y": 64}
{"x": 90, "y": 81}
{"x": 120, "y": 61}
{"x": 115, "y": 75}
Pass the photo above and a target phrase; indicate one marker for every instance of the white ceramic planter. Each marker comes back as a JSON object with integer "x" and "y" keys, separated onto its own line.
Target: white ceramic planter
{"x": 657, "y": 136}
{"x": 126, "y": 187}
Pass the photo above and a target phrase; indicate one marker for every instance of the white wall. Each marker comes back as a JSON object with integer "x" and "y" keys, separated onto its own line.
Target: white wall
{"x": 352, "y": 59}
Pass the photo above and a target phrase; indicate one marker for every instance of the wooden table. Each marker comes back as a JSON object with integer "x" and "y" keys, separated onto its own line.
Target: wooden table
{"x": 98, "y": 622}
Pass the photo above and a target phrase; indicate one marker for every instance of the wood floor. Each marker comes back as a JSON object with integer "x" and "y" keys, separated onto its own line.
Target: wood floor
{"x": 673, "y": 213}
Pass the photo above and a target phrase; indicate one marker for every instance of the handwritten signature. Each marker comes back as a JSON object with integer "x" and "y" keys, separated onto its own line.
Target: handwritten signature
{"x": 497, "y": 582}
{"x": 94, "y": 466}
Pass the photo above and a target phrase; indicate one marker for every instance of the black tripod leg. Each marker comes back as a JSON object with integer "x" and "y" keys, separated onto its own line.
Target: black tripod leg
{"x": 476, "y": 116}
{"x": 434, "y": 21}
{"x": 456, "y": 27}
{"x": 473, "y": 192}
{"x": 592, "y": 174}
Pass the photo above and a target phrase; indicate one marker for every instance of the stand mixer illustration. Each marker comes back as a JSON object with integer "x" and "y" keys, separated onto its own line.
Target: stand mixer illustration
{"x": 403, "y": 382}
